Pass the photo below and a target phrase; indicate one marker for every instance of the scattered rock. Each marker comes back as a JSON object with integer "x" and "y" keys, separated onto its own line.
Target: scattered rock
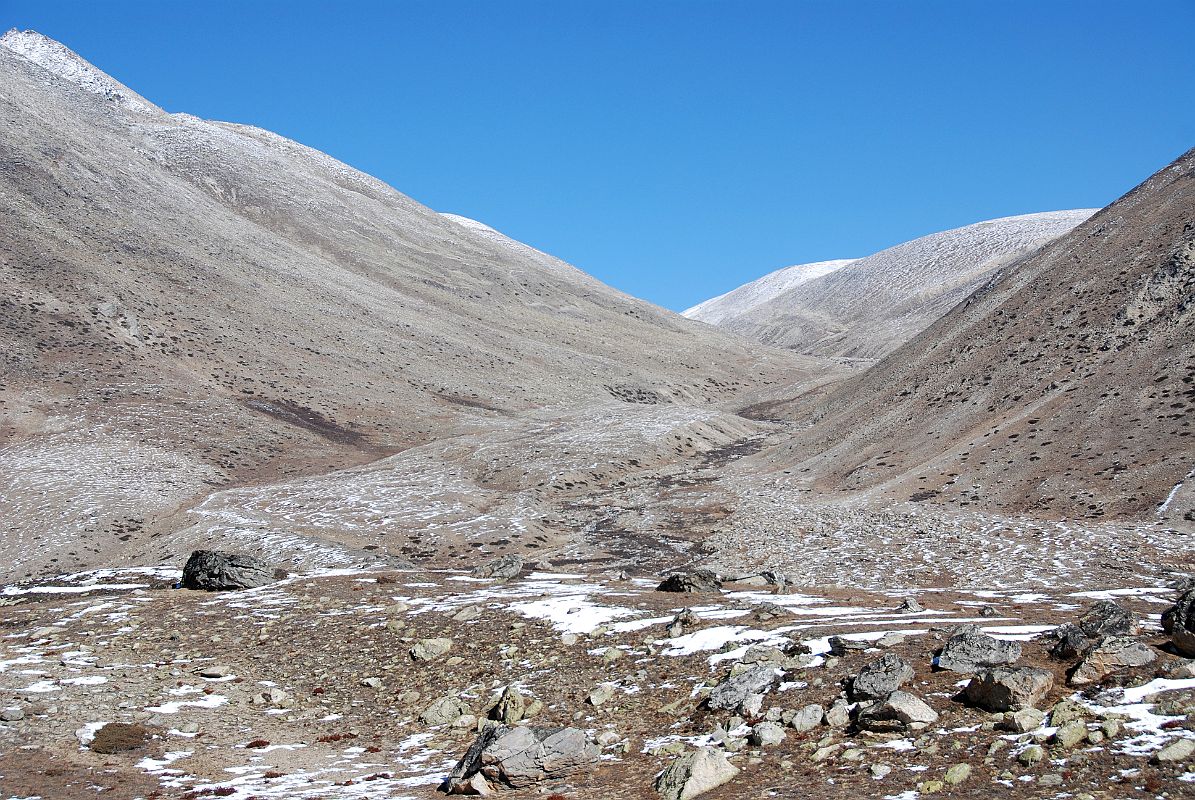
{"x": 840, "y": 646}
{"x": 601, "y": 694}
{"x": 444, "y": 711}
{"x": 217, "y": 571}
{"x": 1024, "y": 720}
{"x": 12, "y": 715}
{"x": 766, "y": 734}
{"x": 504, "y": 568}
{"x": 372, "y": 683}
{"x": 1106, "y": 618}
{"x": 1179, "y": 622}
{"x": 910, "y": 606}
{"x": 1112, "y": 655}
{"x": 1031, "y": 754}
{"x": 806, "y": 718}
{"x": 731, "y": 693}
{"x": 1066, "y": 710}
{"x": 510, "y": 708}
{"x": 957, "y": 774}
{"x": 519, "y": 757}
{"x": 881, "y": 677}
{"x": 1070, "y": 734}
{"x": 695, "y": 774}
{"x": 1009, "y": 688}
{"x": 683, "y": 623}
{"x": 215, "y": 671}
{"x": 896, "y": 712}
{"x": 838, "y": 715}
{"x": 1069, "y": 642}
{"x": 430, "y": 649}
{"x": 970, "y": 650}
{"x": 698, "y": 580}
{"x": 467, "y": 614}
{"x": 1178, "y": 750}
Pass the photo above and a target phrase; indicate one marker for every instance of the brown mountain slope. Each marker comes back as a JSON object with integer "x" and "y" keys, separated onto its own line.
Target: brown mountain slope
{"x": 1065, "y": 386}
{"x": 188, "y": 305}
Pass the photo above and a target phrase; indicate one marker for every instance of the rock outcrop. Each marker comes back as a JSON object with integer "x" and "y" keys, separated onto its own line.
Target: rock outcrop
{"x": 217, "y": 571}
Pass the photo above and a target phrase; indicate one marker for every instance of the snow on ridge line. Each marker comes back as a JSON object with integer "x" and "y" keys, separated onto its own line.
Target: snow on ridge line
{"x": 60, "y": 60}
{"x": 763, "y": 289}
{"x": 1034, "y": 228}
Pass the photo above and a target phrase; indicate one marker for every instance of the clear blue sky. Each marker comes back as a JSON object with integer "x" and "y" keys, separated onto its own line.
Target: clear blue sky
{"x": 679, "y": 149}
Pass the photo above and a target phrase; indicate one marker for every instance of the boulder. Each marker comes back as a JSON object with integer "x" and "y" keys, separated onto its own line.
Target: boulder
{"x": 896, "y": 712}
{"x": 519, "y": 757}
{"x": 806, "y": 718}
{"x": 970, "y": 650}
{"x": 910, "y": 606}
{"x": 430, "y": 649}
{"x": 1112, "y": 655}
{"x": 1106, "y": 618}
{"x": 445, "y": 711}
{"x": 695, "y": 774}
{"x": 1177, "y": 751}
{"x": 1009, "y": 688}
{"x": 510, "y": 708}
{"x": 504, "y": 568}
{"x": 1179, "y": 622}
{"x": 881, "y": 677}
{"x": 696, "y": 581}
{"x": 766, "y": 734}
{"x": 838, "y": 715}
{"x": 217, "y": 571}
{"x": 732, "y": 692}
{"x": 1069, "y": 642}
{"x": 1023, "y": 721}
{"x": 840, "y": 646}
{"x": 683, "y": 623}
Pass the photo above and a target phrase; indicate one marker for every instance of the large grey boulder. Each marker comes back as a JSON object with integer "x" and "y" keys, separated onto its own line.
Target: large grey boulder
{"x": 1069, "y": 642}
{"x": 519, "y": 757}
{"x": 732, "y": 692}
{"x": 1009, "y": 688}
{"x": 970, "y": 650}
{"x": 1106, "y": 618}
{"x": 1179, "y": 622}
{"x": 1111, "y": 655}
{"x": 695, "y": 774}
{"x": 896, "y": 712}
{"x": 504, "y": 568}
{"x": 444, "y": 711}
{"x": 699, "y": 580}
{"x": 881, "y": 677}
{"x": 217, "y": 571}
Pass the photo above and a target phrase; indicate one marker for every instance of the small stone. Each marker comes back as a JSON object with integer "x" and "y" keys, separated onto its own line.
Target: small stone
{"x": 822, "y": 753}
{"x": 215, "y": 671}
{"x": 1031, "y": 754}
{"x": 1050, "y": 779}
{"x": 372, "y": 683}
{"x": 12, "y": 715}
{"x": 958, "y": 774}
{"x": 930, "y": 787}
{"x": 1065, "y": 711}
{"x": 1110, "y": 728}
{"x": 879, "y": 771}
{"x": 430, "y": 649}
{"x": 838, "y": 715}
{"x": 1023, "y": 721}
{"x": 568, "y": 639}
{"x": 1178, "y": 750}
{"x": 601, "y": 694}
{"x": 767, "y": 734}
{"x": 807, "y": 718}
{"x": 467, "y": 614}
{"x": 1071, "y": 734}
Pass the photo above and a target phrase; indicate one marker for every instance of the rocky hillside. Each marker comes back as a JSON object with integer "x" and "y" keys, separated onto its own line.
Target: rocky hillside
{"x": 865, "y": 308}
{"x": 1063, "y": 387}
{"x": 189, "y": 306}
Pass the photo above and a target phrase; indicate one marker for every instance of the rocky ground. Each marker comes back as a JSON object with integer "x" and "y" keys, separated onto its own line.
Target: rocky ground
{"x": 373, "y": 684}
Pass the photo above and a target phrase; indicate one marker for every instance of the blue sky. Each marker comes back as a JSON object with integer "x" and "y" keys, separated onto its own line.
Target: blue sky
{"x": 678, "y": 149}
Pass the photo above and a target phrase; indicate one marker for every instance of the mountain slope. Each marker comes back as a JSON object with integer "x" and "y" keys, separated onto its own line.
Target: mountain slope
{"x": 1064, "y": 386}
{"x": 190, "y": 306}
{"x": 867, "y": 307}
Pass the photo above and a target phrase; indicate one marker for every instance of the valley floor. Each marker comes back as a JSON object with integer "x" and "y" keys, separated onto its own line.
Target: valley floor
{"x": 310, "y": 689}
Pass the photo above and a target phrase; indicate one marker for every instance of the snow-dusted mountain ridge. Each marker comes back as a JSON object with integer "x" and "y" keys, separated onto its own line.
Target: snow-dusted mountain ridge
{"x": 866, "y": 307}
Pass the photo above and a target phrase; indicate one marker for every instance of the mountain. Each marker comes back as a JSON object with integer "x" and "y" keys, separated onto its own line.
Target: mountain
{"x": 867, "y": 307}
{"x": 1064, "y": 386}
{"x": 206, "y": 328}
